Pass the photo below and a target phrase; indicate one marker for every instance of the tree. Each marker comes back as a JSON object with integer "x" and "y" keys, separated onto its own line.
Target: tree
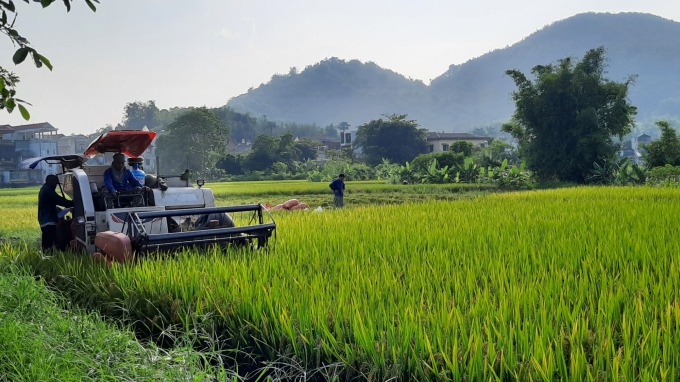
{"x": 496, "y": 152}
{"x": 567, "y": 118}
{"x": 263, "y": 153}
{"x": 664, "y": 151}
{"x": 396, "y": 139}
{"x": 464, "y": 147}
{"x": 308, "y": 149}
{"x": 231, "y": 164}
{"x": 288, "y": 152}
{"x": 342, "y": 126}
{"x": 8, "y": 80}
{"x": 330, "y": 131}
{"x": 139, "y": 114}
{"x": 448, "y": 159}
{"x": 242, "y": 126}
{"x": 198, "y": 137}
{"x": 102, "y": 130}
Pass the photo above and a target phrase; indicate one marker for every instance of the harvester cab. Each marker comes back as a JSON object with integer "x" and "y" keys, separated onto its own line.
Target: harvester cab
{"x": 172, "y": 214}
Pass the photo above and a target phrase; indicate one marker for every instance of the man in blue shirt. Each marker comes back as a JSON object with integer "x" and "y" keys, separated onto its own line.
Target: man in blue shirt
{"x": 118, "y": 178}
{"x": 338, "y": 187}
{"x": 48, "y": 200}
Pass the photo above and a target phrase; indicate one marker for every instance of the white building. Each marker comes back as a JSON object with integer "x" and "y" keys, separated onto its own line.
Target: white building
{"x": 438, "y": 142}
{"x": 73, "y": 144}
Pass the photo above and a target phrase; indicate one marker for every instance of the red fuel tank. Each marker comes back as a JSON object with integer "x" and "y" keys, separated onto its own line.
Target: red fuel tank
{"x": 115, "y": 245}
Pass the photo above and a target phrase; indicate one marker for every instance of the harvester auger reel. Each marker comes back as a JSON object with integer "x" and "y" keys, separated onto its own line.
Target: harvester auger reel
{"x": 214, "y": 226}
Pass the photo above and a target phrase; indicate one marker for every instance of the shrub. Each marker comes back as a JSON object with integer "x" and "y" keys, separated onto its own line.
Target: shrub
{"x": 666, "y": 176}
{"x": 444, "y": 159}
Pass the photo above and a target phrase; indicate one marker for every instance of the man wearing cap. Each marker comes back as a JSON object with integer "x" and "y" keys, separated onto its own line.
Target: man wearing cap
{"x": 118, "y": 178}
{"x": 48, "y": 200}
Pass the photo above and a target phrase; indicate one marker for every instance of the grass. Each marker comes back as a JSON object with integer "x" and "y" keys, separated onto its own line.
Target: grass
{"x": 575, "y": 284}
{"x": 360, "y": 193}
{"x": 45, "y": 338}
{"x": 20, "y": 205}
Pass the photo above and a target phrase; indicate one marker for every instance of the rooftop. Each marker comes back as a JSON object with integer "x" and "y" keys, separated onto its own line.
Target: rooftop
{"x": 322, "y": 138}
{"x": 434, "y": 136}
{"x": 6, "y": 129}
{"x": 45, "y": 126}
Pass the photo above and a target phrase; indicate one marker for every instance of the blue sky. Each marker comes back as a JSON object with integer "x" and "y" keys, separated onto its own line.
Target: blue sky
{"x": 203, "y": 52}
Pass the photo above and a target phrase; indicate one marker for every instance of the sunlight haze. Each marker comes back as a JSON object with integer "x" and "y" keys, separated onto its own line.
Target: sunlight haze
{"x": 204, "y": 52}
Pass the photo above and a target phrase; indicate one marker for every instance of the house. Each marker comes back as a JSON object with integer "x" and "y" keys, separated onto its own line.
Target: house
{"x": 644, "y": 138}
{"x": 36, "y": 140}
{"x": 41, "y": 130}
{"x": 438, "y": 142}
{"x": 33, "y": 140}
{"x": 5, "y": 130}
{"x": 328, "y": 142}
{"x": 346, "y": 138}
{"x": 629, "y": 153}
{"x": 73, "y": 144}
{"x": 8, "y": 162}
{"x": 243, "y": 147}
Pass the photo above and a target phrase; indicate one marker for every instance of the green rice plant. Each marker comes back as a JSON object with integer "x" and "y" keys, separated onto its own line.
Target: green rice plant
{"x": 574, "y": 284}
{"x": 45, "y": 338}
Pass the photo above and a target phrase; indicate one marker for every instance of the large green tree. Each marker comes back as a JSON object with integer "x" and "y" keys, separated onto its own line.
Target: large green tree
{"x": 268, "y": 150}
{"x": 139, "y": 114}
{"x": 9, "y": 80}
{"x": 198, "y": 137}
{"x": 664, "y": 151}
{"x": 568, "y": 116}
{"x": 394, "y": 138}
{"x": 263, "y": 153}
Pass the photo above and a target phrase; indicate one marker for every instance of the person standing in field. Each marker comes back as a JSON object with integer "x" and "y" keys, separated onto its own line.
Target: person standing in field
{"x": 338, "y": 187}
{"x": 48, "y": 200}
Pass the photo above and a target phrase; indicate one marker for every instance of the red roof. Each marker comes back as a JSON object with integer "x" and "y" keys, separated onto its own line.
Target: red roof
{"x": 132, "y": 143}
{"x": 6, "y": 129}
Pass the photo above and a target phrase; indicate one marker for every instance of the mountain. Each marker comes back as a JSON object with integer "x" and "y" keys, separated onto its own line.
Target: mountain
{"x": 333, "y": 91}
{"x": 477, "y": 92}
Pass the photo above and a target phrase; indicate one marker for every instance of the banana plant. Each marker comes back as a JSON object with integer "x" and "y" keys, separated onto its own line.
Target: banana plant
{"x": 436, "y": 175}
{"x": 639, "y": 174}
{"x": 405, "y": 173}
{"x": 468, "y": 172}
{"x": 615, "y": 172}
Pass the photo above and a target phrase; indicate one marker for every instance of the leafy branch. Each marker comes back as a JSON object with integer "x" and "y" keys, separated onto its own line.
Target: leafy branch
{"x": 9, "y": 80}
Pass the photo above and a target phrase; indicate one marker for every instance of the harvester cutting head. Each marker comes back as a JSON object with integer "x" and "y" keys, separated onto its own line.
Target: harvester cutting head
{"x": 199, "y": 227}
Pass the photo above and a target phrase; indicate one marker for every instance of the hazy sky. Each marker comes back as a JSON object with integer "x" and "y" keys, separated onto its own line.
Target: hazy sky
{"x": 203, "y": 52}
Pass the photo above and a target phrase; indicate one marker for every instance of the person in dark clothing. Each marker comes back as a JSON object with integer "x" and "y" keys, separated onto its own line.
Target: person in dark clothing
{"x": 48, "y": 200}
{"x": 338, "y": 187}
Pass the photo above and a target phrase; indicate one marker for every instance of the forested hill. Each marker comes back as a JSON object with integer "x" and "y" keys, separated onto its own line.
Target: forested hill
{"x": 478, "y": 92}
{"x": 333, "y": 91}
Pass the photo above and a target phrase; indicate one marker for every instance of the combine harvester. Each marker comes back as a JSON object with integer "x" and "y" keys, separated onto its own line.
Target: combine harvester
{"x": 172, "y": 215}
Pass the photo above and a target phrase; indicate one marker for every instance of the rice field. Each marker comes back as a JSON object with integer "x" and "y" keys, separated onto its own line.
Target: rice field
{"x": 574, "y": 284}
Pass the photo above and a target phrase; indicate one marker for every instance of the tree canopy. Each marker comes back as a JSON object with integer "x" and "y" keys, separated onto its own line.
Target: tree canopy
{"x": 664, "y": 151}
{"x": 9, "y": 80}
{"x": 395, "y": 138}
{"x": 268, "y": 150}
{"x": 198, "y": 137}
{"x": 463, "y": 147}
{"x": 567, "y": 117}
{"x": 140, "y": 114}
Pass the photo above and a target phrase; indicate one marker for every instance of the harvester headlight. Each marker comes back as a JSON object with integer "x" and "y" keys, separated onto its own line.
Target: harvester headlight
{"x": 80, "y": 220}
{"x": 200, "y": 182}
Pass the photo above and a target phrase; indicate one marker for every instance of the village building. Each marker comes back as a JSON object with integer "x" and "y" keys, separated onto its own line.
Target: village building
{"x": 438, "y": 142}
